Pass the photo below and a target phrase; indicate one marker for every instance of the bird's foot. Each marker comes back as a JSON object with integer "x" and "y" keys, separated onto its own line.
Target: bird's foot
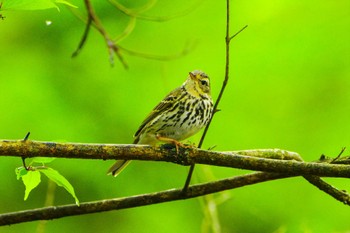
{"x": 174, "y": 142}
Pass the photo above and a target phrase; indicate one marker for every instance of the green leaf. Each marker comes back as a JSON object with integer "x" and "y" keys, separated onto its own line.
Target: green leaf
{"x": 20, "y": 171}
{"x": 30, "y": 181}
{"x": 60, "y": 181}
{"x": 33, "y": 5}
{"x": 42, "y": 160}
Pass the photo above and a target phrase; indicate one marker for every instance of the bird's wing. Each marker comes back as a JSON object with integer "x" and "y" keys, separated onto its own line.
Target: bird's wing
{"x": 164, "y": 105}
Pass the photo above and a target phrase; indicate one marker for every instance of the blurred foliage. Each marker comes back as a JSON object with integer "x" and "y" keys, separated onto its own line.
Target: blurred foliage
{"x": 289, "y": 88}
{"x": 32, "y": 5}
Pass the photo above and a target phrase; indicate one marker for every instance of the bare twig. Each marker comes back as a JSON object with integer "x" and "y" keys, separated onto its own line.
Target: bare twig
{"x": 236, "y": 34}
{"x": 84, "y": 37}
{"x": 137, "y": 13}
{"x": 228, "y": 39}
{"x": 113, "y": 44}
{"x": 187, "y": 48}
{"x": 26, "y": 137}
{"x": 113, "y": 49}
{"x": 338, "y": 156}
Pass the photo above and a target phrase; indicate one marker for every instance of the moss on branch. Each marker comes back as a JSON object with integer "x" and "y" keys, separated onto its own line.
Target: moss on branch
{"x": 186, "y": 156}
{"x": 275, "y": 163}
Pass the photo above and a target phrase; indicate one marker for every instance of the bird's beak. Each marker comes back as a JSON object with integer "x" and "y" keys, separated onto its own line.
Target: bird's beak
{"x": 193, "y": 77}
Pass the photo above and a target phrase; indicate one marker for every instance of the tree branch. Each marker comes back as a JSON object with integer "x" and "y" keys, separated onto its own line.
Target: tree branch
{"x": 291, "y": 166}
{"x": 53, "y": 212}
{"x": 186, "y": 156}
{"x": 339, "y": 195}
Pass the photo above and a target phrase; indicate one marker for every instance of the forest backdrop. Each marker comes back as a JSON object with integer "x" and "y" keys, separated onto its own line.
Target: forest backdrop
{"x": 289, "y": 89}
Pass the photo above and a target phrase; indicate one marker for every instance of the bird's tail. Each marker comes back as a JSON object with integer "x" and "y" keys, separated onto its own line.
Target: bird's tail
{"x": 117, "y": 167}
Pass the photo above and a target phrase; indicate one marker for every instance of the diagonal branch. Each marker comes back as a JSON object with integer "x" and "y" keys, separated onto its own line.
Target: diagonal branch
{"x": 54, "y": 212}
{"x": 339, "y": 195}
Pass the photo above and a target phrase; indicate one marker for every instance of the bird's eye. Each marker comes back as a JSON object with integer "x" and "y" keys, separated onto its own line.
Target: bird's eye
{"x": 204, "y": 82}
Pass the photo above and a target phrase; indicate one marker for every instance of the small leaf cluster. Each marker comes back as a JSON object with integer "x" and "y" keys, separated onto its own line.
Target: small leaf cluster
{"x": 31, "y": 176}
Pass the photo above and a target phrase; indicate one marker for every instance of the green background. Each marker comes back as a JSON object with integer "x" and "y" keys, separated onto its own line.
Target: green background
{"x": 289, "y": 88}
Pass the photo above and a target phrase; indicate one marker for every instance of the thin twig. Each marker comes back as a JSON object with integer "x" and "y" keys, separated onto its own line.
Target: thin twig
{"x": 84, "y": 37}
{"x": 137, "y": 12}
{"x": 234, "y": 35}
{"x": 215, "y": 109}
{"x": 340, "y": 153}
{"x": 187, "y": 48}
{"x": 113, "y": 49}
{"x": 228, "y": 39}
{"x": 188, "y": 179}
{"x": 26, "y": 137}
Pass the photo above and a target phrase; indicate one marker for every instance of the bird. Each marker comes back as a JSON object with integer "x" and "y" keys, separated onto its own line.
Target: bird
{"x": 181, "y": 114}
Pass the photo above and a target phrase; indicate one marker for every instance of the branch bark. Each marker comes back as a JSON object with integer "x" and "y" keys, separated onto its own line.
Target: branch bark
{"x": 186, "y": 156}
{"x": 265, "y": 160}
{"x": 53, "y": 212}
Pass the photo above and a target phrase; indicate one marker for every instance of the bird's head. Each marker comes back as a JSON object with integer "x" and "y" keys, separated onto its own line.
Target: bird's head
{"x": 198, "y": 84}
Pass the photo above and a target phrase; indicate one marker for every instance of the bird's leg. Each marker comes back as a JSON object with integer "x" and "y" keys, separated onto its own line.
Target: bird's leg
{"x": 172, "y": 141}
{"x": 169, "y": 140}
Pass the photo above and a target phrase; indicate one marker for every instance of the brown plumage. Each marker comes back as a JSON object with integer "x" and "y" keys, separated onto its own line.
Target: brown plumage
{"x": 181, "y": 114}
